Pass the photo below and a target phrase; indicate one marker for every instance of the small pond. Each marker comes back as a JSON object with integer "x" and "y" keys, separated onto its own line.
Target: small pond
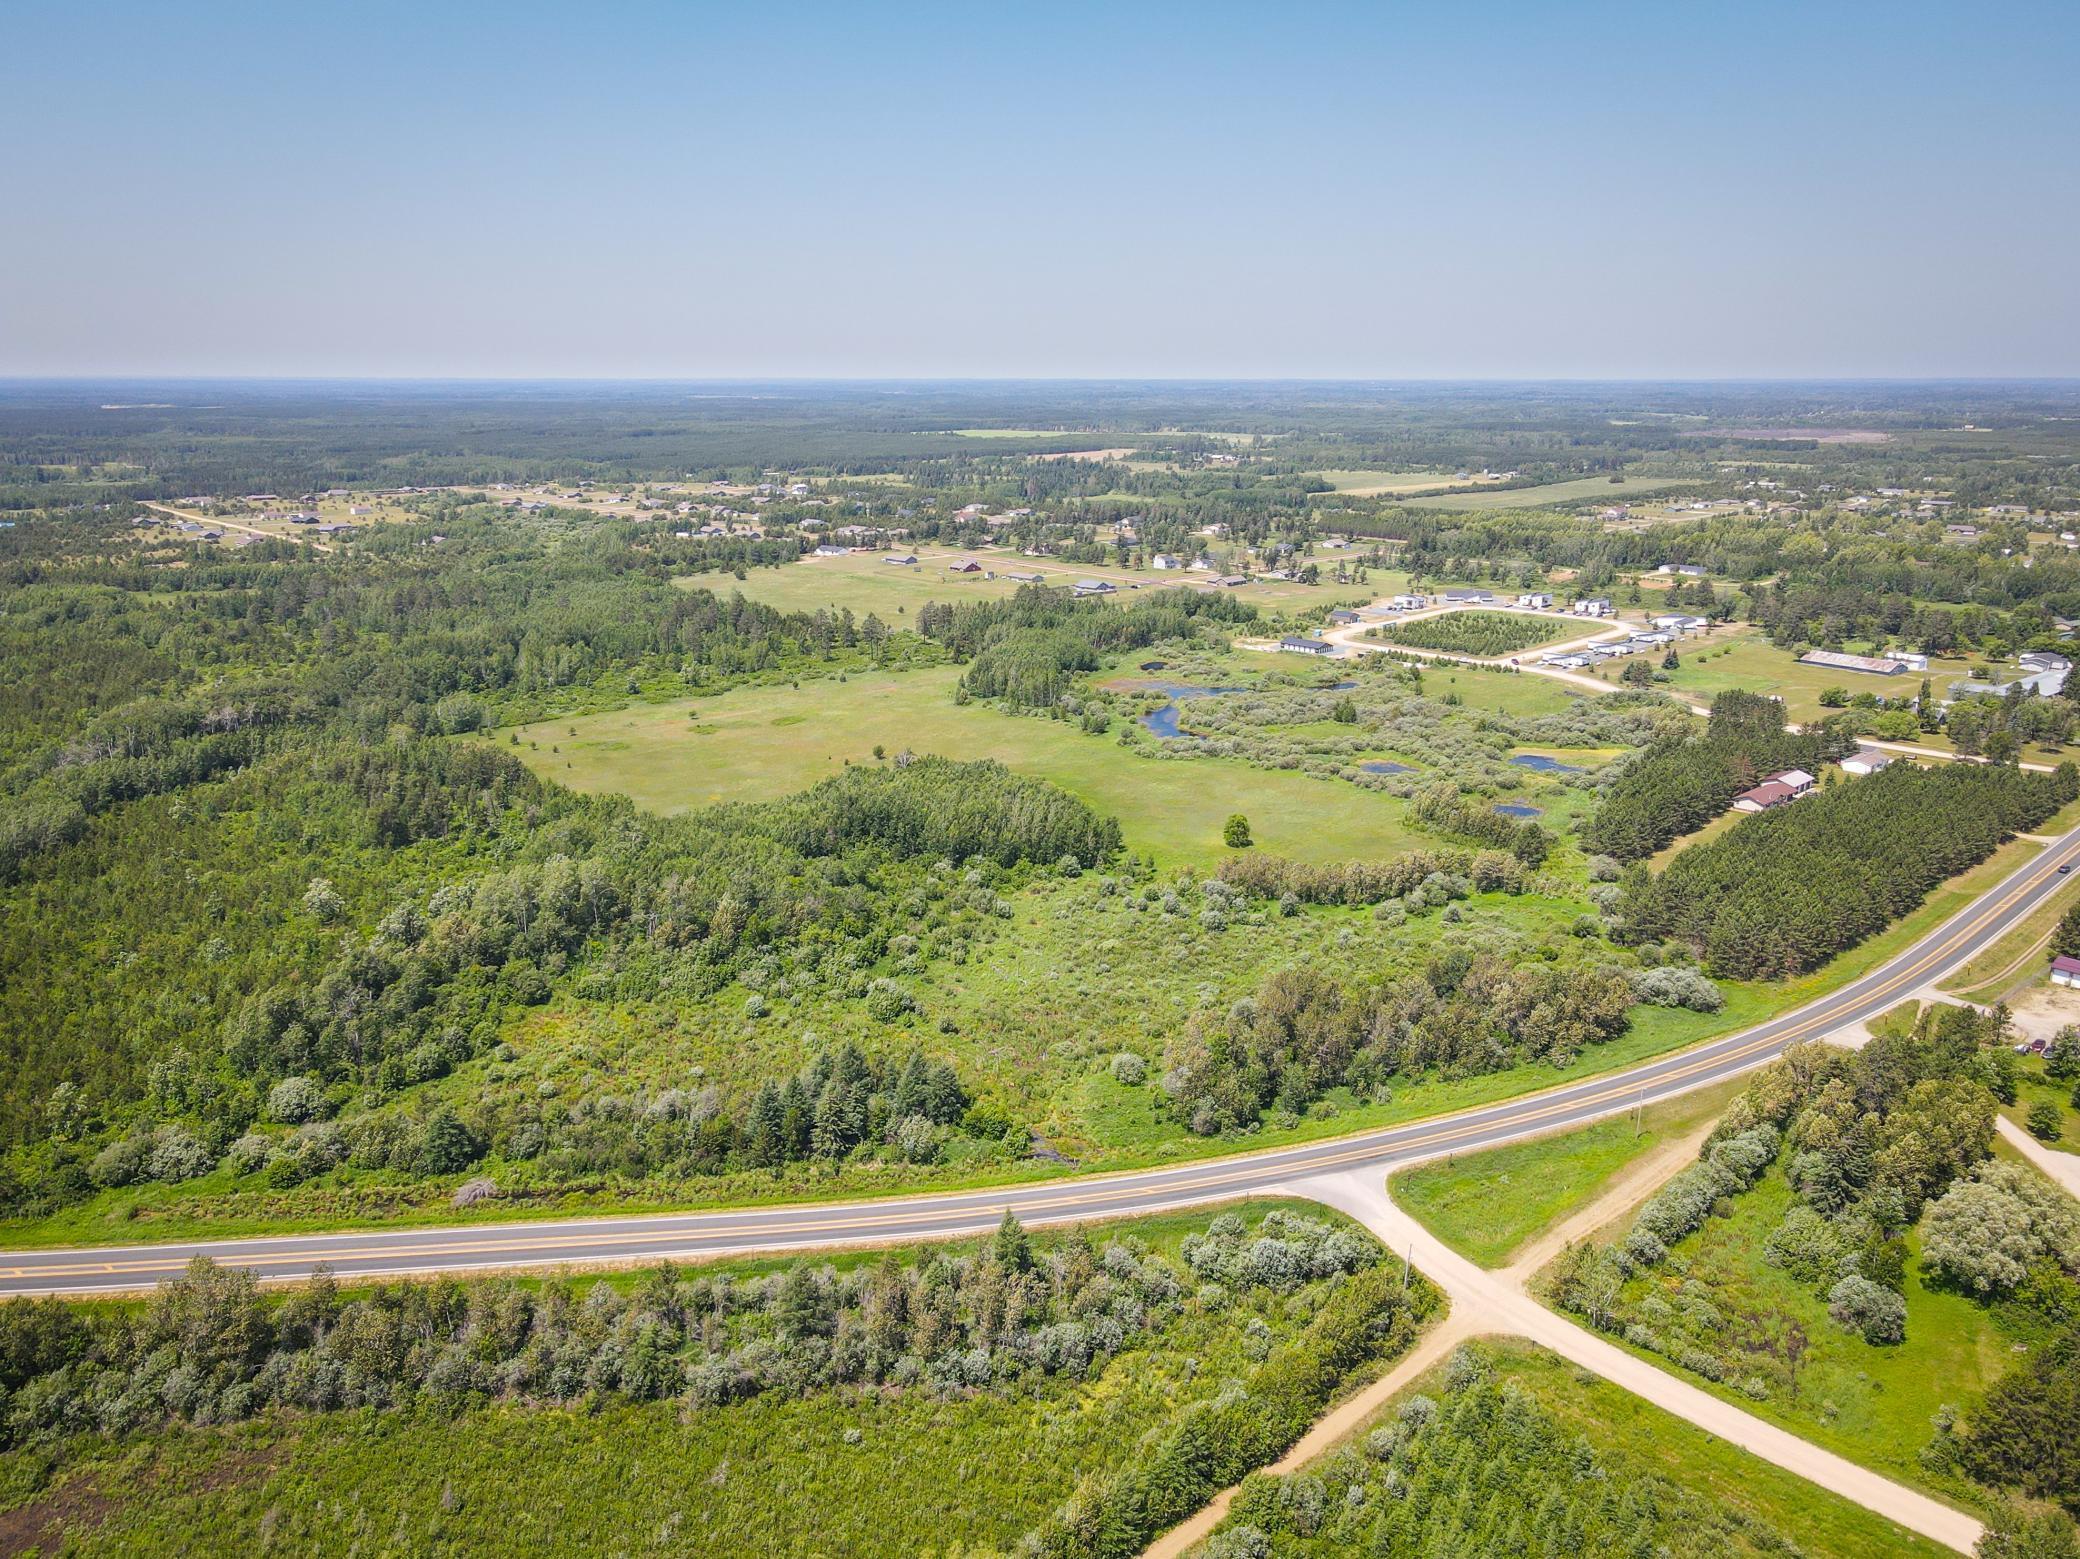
{"x": 1518, "y": 809}
{"x": 1163, "y": 722}
{"x": 1540, "y": 763}
{"x": 1382, "y": 766}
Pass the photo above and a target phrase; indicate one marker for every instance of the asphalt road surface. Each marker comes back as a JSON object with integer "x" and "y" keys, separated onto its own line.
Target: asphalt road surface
{"x": 640, "y": 1240}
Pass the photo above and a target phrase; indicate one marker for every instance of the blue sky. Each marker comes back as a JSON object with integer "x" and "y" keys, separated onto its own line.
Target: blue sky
{"x": 1393, "y": 190}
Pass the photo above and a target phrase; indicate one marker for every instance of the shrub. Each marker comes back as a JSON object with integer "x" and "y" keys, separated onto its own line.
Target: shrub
{"x": 294, "y": 1100}
{"x": 1129, "y": 1070}
{"x": 1984, "y": 1233}
{"x": 2047, "y": 1123}
{"x": 1859, "y": 1305}
{"x": 1677, "y": 985}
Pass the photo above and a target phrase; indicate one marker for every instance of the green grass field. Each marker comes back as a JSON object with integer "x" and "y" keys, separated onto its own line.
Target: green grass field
{"x": 1378, "y": 484}
{"x": 1588, "y": 487}
{"x": 759, "y": 743}
{"x": 1505, "y": 692}
{"x": 1874, "y": 1405}
{"x": 2019, "y": 957}
{"x": 1487, "y": 1206}
{"x": 1748, "y": 661}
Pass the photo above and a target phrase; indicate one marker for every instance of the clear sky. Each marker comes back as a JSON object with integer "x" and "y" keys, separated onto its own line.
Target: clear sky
{"x": 1672, "y": 188}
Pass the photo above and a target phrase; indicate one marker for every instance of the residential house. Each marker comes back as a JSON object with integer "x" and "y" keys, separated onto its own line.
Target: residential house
{"x": 903, "y": 558}
{"x": 1025, "y": 577}
{"x": 1536, "y": 600}
{"x": 2065, "y": 971}
{"x": 964, "y": 566}
{"x": 827, "y": 550}
{"x": 1095, "y": 587}
{"x": 1408, "y": 603}
{"x": 1468, "y": 597}
{"x": 1163, "y": 562}
{"x": 1867, "y": 760}
{"x": 1770, "y": 793}
{"x": 1344, "y": 614}
{"x": 1302, "y": 646}
{"x": 1593, "y": 606}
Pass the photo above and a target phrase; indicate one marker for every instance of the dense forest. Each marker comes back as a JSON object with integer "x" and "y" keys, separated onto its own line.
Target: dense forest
{"x": 1783, "y": 891}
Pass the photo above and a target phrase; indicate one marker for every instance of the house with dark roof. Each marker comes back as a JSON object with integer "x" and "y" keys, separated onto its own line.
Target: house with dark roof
{"x": 1770, "y": 793}
{"x": 2065, "y": 971}
{"x": 1301, "y": 646}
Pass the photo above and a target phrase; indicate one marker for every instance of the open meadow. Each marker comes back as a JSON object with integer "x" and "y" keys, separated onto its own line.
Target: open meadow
{"x": 756, "y": 744}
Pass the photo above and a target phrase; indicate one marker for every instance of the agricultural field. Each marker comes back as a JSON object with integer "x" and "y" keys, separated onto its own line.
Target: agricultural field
{"x": 1387, "y": 484}
{"x": 1551, "y": 494}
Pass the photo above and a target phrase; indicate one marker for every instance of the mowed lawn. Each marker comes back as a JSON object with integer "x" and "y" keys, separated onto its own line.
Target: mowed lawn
{"x": 754, "y": 744}
{"x": 1488, "y": 1205}
{"x": 1748, "y": 661}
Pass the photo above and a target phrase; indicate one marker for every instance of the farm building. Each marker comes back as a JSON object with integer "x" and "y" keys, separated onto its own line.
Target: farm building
{"x": 1835, "y": 660}
{"x": 1301, "y": 646}
{"x": 964, "y": 566}
{"x": 2065, "y": 971}
{"x": 1344, "y": 614}
{"x": 1095, "y": 587}
{"x": 1867, "y": 760}
{"x": 901, "y": 558}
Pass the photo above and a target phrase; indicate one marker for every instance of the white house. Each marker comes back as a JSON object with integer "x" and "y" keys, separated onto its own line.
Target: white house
{"x": 2065, "y": 971}
{"x": 1866, "y": 760}
{"x": 1593, "y": 606}
{"x": 1408, "y": 603}
{"x": 1537, "y": 600}
{"x": 1166, "y": 561}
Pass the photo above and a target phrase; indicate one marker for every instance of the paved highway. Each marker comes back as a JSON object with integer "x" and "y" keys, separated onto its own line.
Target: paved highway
{"x": 626, "y": 1240}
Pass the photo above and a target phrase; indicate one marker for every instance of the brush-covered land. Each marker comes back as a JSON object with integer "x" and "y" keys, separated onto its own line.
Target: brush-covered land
{"x": 940, "y": 1400}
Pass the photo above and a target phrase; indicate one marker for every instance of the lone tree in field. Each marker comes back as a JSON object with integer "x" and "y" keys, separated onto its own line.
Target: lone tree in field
{"x": 1237, "y": 832}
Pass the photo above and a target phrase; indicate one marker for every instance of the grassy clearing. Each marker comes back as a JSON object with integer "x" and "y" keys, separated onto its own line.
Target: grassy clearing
{"x": 756, "y": 744}
{"x": 1380, "y": 484}
{"x": 1582, "y": 490}
{"x": 1505, "y": 692}
{"x": 1748, "y": 661}
{"x": 2033, "y": 1087}
{"x": 1487, "y": 1206}
{"x": 2018, "y": 957}
{"x": 1874, "y": 1405}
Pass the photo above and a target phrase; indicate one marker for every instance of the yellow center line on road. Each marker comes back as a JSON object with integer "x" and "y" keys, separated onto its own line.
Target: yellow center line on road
{"x": 1094, "y": 1196}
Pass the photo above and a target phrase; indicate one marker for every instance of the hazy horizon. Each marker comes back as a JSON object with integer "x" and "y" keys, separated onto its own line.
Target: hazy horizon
{"x": 1604, "y": 193}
